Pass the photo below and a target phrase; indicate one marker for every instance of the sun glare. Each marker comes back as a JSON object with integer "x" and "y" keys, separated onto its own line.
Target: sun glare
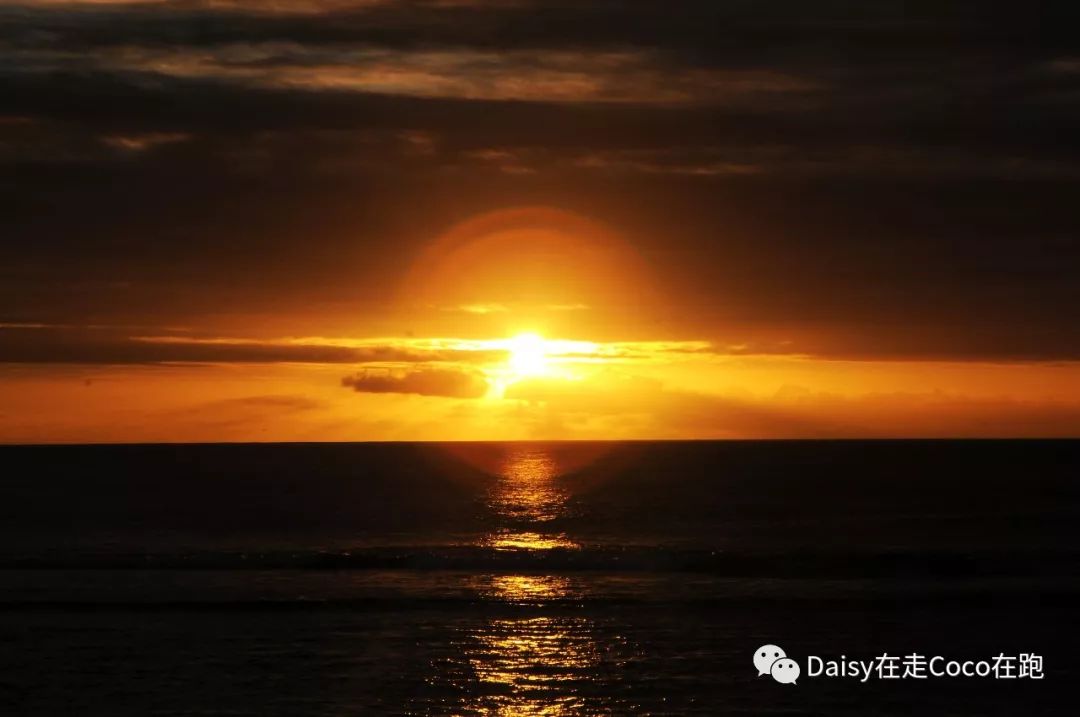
{"x": 528, "y": 355}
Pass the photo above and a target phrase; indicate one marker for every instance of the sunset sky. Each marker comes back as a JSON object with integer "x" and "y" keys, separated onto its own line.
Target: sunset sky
{"x": 308, "y": 220}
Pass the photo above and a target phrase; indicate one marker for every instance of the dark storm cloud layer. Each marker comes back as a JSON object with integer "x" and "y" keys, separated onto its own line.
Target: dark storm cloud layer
{"x": 893, "y": 179}
{"x": 76, "y": 345}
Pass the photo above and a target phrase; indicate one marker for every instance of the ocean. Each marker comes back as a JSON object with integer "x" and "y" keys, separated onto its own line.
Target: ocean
{"x": 523, "y": 579}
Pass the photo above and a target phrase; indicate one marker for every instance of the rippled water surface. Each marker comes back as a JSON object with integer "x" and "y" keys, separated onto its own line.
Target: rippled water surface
{"x": 528, "y": 579}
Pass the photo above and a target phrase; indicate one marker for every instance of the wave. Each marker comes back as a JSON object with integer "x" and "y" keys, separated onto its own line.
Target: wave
{"x": 965, "y": 600}
{"x": 882, "y": 564}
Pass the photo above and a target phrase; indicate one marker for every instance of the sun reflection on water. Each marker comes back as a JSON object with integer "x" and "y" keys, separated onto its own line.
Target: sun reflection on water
{"x": 528, "y": 666}
{"x": 525, "y": 497}
{"x": 532, "y": 654}
{"x": 524, "y": 588}
{"x": 533, "y": 666}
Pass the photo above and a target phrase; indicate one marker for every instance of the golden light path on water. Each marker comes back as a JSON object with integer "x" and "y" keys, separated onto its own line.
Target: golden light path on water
{"x": 533, "y": 666}
{"x": 537, "y": 664}
{"x": 525, "y": 497}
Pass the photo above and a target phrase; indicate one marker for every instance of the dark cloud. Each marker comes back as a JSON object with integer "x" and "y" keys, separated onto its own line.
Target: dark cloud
{"x": 451, "y": 383}
{"x": 895, "y": 178}
{"x": 74, "y": 345}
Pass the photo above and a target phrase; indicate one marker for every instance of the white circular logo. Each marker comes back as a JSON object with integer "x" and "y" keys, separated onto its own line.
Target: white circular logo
{"x": 765, "y": 656}
{"x": 785, "y": 670}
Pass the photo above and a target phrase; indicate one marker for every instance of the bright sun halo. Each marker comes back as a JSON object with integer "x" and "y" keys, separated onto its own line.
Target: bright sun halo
{"x": 528, "y": 355}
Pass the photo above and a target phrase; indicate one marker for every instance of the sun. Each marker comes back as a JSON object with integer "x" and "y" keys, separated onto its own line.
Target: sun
{"x": 528, "y": 355}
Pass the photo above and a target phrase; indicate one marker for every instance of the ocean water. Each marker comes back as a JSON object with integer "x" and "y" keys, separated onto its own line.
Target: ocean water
{"x": 532, "y": 579}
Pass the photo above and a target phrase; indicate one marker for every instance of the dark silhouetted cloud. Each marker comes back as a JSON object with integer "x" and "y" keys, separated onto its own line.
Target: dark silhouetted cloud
{"x": 452, "y": 383}
{"x": 858, "y": 179}
{"x": 75, "y": 345}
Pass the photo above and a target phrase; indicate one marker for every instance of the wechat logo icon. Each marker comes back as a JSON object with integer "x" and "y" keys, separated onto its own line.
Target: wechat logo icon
{"x": 772, "y": 660}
